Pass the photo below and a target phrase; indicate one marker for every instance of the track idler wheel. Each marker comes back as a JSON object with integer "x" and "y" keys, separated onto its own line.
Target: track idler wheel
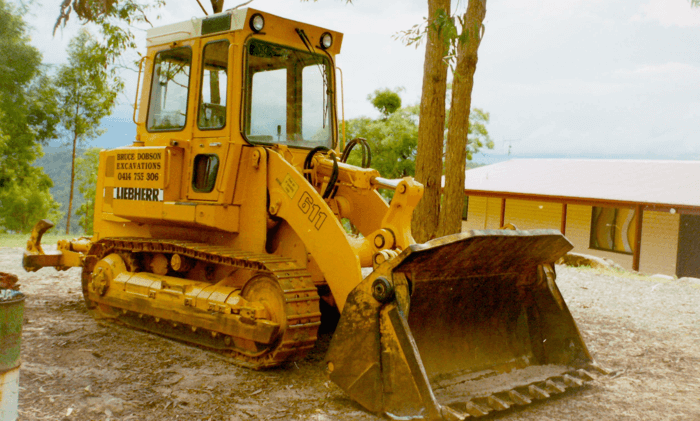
{"x": 104, "y": 273}
{"x": 266, "y": 291}
{"x": 99, "y": 281}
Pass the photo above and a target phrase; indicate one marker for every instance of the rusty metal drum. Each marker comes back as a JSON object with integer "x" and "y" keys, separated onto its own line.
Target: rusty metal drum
{"x": 11, "y": 314}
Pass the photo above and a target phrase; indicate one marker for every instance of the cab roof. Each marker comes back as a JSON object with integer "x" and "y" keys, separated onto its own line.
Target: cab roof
{"x": 236, "y": 20}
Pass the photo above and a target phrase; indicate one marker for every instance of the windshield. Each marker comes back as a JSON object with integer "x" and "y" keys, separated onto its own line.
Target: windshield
{"x": 287, "y": 97}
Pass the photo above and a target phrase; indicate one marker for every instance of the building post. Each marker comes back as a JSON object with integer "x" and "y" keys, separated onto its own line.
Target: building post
{"x": 563, "y": 218}
{"x": 503, "y": 212}
{"x": 637, "y": 238}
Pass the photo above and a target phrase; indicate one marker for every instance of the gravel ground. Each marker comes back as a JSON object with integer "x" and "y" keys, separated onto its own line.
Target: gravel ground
{"x": 645, "y": 330}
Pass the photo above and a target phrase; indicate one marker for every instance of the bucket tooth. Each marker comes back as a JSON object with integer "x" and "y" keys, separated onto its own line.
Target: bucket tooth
{"x": 497, "y": 403}
{"x": 572, "y": 381}
{"x": 554, "y": 387}
{"x": 595, "y": 367}
{"x": 476, "y": 410}
{"x": 537, "y": 393}
{"x": 585, "y": 374}
{"x": 518, "y": 398}
{"x": 451, "y": 414}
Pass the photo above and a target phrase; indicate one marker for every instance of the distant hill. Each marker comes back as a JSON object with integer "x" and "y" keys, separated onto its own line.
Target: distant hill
{"x": 56, "y": 164}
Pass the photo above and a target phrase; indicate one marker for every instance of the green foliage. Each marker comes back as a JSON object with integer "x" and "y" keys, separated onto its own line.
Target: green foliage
{"x": 87, "y": 181}
{"x": 56, "y": 163}
{"x": 442, "y": 24}
{"x": 451, "y": 27}
{"x": 386, "y": 101}
{"x": 115, "y": 18}
{"x": 394, "y": 139}
{"x": 27, "y": 120}
{"x": 20, "y": 61}
{"x": 86, "y": 88}
{"x": 26, "y": 107}
{"x": 695, "y": 3}
{"x": 26, "y": 201}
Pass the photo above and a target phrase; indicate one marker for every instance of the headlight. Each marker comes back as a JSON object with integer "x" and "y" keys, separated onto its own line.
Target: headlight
{"x": 257, "y": 22}
{"x": 326, "y": 40}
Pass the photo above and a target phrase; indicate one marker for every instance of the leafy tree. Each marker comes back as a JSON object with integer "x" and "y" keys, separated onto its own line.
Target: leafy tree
{"x": 26, "y": 110}
{"x": 27, "y": 120}
{"x": 26, "y": 201}
{"x": 394, "y": 140}
{"x": 87, "y": 89}
{"x": 116, "y": 20}
{"x": 87, "y": 181}
{"x": 386, "y": 101}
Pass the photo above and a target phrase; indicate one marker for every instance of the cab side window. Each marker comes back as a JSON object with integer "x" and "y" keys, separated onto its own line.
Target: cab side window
{"x": 212, "y": 97}
{"x": 206, "y": 166}
{"x": 167, "y": 108}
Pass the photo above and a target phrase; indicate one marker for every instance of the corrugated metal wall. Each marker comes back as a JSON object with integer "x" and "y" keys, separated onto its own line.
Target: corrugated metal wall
{"x": 659, "y": 230}
{"x": 659, "y": 243}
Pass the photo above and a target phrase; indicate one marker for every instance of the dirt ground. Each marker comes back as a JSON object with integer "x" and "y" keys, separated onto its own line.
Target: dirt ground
{"x": 646, "y": 331}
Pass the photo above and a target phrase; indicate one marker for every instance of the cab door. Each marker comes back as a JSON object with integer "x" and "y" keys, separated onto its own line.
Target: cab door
{"x": 213, "y": 158}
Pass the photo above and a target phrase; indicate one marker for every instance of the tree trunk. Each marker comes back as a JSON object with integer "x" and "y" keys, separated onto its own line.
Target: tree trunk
{"x": 458, "y": 125}
{"x": 431, "y": 127}
{"x": 72, "y": 179}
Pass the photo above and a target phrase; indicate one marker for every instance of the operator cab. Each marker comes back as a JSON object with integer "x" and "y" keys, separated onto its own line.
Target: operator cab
{"x": 241, "y": 72}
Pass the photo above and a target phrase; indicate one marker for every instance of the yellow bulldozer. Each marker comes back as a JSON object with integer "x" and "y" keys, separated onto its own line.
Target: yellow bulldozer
{"x": 222, "y": 226}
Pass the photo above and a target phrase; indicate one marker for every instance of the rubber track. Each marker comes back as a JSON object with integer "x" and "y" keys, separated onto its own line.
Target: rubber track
{"x": 300, "y": 293}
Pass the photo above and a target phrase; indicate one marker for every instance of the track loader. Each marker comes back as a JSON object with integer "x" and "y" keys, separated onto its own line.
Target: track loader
{"x": 222, "y": 226}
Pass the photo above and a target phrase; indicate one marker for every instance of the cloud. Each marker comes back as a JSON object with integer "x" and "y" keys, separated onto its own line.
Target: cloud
{"x": 668, "y": 13}
{"x": 693, "y": 112}
{"x": 548, "y": 10}
{"x": 671, "y": 70}
{"x": 563, "y": 87}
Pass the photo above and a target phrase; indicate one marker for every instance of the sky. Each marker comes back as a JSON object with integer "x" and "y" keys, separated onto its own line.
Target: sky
{"x": 576, "y": 79}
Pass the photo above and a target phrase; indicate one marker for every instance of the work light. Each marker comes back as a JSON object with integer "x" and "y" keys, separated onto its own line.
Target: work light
{"x": 326, "y": 40}
{"x": 257, "y": 22}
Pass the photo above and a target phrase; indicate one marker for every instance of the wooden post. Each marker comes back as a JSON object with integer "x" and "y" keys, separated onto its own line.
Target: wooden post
{"x": 637, "y": 238}
{"x": 503, "y": 212}
{"x": 563, "y": 218}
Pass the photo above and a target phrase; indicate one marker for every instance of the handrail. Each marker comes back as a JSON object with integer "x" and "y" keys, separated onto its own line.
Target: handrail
{"x": 342, "y": 107}
{"x": 138, "y": 84}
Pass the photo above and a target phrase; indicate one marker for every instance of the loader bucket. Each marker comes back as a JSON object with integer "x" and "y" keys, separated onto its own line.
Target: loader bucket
{"x": 460, "y": 326}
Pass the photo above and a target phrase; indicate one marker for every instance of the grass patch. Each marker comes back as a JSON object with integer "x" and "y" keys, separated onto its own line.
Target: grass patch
{"x": 20, "y": 240}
